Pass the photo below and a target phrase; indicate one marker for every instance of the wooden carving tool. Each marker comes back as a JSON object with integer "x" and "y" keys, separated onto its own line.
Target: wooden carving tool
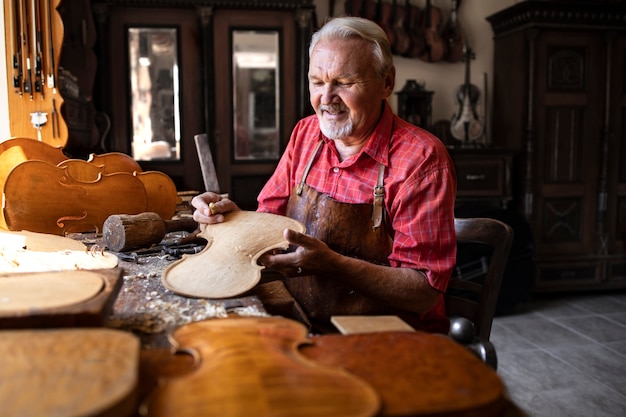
{"x": 122, "y": 232}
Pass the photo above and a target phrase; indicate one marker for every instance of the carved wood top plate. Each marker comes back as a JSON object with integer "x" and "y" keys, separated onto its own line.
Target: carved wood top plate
{"x": 227, "y": 266}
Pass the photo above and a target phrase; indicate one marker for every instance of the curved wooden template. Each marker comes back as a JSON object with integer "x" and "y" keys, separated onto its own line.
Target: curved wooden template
{"x": 251, "y": 366}
{"x": 227, "y": 266}
{"x": 41, "y": 197}
{"x": 115, "y": 162}
{"x": 160, "y": 189}
{"x": 31, "y": 148}
{"x": 81, "y": 170}
{"x": 96, "y": 165}
{"x": 161, "y": 192}
{"x": 415, "y": 373}
{"x": 16, "y": 150}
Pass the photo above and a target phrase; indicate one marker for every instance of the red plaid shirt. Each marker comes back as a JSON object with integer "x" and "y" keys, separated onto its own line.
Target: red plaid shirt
{"x": 420, "y": 187}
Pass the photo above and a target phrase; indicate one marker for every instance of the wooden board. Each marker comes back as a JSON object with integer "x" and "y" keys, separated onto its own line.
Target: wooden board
{"x": 69, "y": 372}
{"x": 39, "y": 242}
{"x": 22, "y": 293}
{"x": 369, "y": 324}
{"x": 415, "y": 373}
{"x": 58, "y": 299}
{"x": 24, "y": 251}
{"x": 227, "y": 266}
{"x": 251, "y": 367}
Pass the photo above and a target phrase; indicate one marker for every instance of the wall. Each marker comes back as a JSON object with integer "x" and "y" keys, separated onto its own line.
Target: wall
{"x": 443, "y": 78}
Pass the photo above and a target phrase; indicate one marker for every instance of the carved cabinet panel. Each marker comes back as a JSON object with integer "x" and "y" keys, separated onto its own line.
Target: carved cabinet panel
{"x": 559, "y": 101}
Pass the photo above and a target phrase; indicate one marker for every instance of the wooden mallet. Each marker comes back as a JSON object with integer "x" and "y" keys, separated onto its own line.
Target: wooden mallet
{"x": 122, "y": 232}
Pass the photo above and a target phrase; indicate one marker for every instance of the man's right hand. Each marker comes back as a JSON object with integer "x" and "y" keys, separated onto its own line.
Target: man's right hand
{"x": 210, "y": 208}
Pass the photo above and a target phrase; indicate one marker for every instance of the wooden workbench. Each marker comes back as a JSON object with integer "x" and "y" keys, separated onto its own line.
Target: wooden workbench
{"x": 146, "y": 308}
{"x": 149, "y": 310}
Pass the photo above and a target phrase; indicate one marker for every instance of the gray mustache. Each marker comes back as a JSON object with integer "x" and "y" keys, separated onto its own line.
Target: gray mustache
{"x": 333, "y": 108}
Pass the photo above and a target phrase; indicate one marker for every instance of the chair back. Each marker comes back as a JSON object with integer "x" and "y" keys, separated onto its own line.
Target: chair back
{"x": 473, "y": 299}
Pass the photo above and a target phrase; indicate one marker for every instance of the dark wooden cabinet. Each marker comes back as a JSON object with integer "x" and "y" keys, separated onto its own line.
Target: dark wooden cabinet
{"x": 559, "y": 103}
{"x": 483, "y": 176}
{"x": 76, "y": 72}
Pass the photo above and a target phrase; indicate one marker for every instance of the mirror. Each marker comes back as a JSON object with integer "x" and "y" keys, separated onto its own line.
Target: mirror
{"x": 256, "y": 94}
{"x": 155, "y": 106}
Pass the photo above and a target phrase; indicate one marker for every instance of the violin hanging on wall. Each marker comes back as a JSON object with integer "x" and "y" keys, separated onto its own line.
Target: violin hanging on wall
{"x": 466, "y": 124}
{"x": 402, "y": 37}
{"x": 453, "y": 35}
{"x": 435, "y": 47}
{"x": 385, "y": 17}
{"x": 415, "y": 30}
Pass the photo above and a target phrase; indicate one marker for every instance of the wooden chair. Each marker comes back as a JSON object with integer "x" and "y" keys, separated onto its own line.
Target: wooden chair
{"x": 471, "y": 303}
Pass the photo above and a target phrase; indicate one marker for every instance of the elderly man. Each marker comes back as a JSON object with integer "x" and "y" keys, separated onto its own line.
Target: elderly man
{"x": 375, "y": 193}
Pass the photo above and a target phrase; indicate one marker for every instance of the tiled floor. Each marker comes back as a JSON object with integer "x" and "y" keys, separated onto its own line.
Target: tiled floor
{"x": 566, "y": 355}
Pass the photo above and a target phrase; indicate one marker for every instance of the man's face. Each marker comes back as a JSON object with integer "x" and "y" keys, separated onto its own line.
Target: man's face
{"x": 345, "y": 90}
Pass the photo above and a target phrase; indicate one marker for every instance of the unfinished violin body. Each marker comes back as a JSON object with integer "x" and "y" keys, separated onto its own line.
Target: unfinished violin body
{"x": 252, "y": 367}
{"x": 45, "y": 198}
{"x": 227, "y": 266}
{"x": 45, "y": 192}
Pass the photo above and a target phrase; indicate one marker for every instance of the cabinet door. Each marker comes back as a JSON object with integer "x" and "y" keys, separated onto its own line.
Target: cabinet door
{"x": 256, "y": 100}
{"x": 172, "y": 153}
{"x": 568, "y": 113}
{"x": 616, "y": 196}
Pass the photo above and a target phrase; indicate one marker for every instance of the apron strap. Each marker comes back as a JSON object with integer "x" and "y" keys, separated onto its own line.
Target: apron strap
{"x": 379, "y": 198}
{"x": 308, "y": 168}
{"x": 379, "y": 189}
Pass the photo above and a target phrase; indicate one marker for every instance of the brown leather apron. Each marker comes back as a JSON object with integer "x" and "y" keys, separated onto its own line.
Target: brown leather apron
{"x": 356, "y": 230}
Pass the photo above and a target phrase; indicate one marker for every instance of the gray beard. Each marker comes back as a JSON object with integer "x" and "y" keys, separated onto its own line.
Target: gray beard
{"x": 335, "y": 132}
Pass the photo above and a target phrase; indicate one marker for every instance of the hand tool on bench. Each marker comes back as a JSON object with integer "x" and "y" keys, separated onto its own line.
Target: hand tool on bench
{"x": 122, "y": 232}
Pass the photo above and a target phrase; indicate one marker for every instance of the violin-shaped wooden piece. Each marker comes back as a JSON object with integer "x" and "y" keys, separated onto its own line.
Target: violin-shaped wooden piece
{"x": 16, "y": 150}
{"x": 114, "y": 162}
{"x": 227, "y": 266}
{"x": 464, "y": 385}
{"x": 42, "y": 197}
{"x": 160, "y": 192}
{"x": 252, "y": 367}
{"x": 466, "y": 124}
{"x": 72, "y": 179}
{"x": 160, "y": 189}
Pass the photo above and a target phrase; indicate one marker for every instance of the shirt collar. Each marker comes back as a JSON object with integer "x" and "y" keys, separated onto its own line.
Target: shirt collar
{"x": 377, "y": 146}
